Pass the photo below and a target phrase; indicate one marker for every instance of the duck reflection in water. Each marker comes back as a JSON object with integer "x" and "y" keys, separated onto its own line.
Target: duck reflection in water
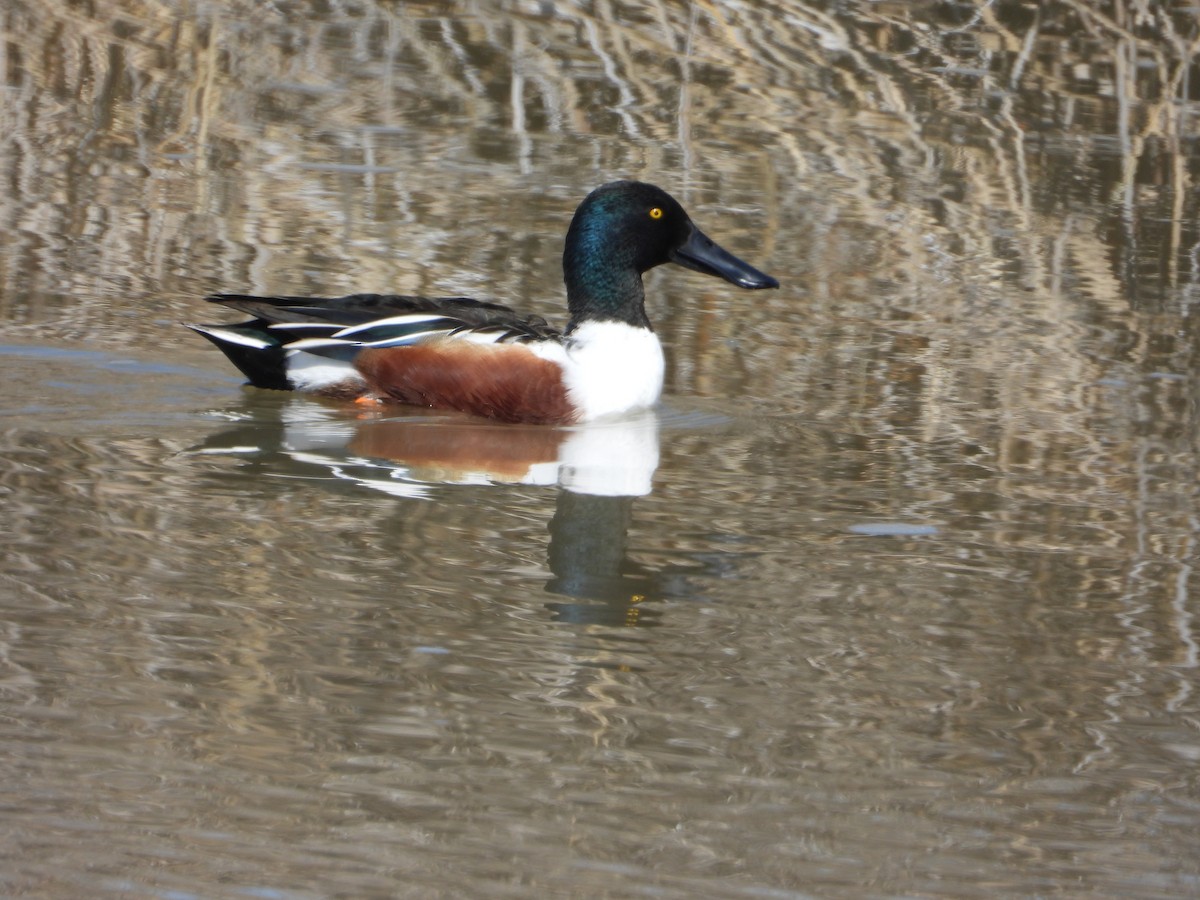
{"x": 600, "y": 470}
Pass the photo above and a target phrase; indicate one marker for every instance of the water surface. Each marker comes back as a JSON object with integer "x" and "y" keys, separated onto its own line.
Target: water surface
{"x": 892, "y": 597}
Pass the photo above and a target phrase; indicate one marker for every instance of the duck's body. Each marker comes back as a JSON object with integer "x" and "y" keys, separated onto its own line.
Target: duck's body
{"x": 484, "y": 358}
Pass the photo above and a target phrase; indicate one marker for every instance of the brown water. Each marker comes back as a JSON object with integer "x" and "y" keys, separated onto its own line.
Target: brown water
{"x": 893, "y": 596}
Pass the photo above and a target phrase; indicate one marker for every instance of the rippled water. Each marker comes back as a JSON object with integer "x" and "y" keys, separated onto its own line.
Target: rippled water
{"x": 892, "y": 597}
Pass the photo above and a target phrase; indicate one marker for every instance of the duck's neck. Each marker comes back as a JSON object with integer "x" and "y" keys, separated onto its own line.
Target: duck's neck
{"x": 602, "y": 284}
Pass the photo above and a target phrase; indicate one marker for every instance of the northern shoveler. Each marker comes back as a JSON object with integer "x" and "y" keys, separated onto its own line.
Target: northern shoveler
{"x": 484, "y": 358}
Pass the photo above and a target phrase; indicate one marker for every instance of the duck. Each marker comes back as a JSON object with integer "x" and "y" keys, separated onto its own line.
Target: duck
{"x": 483, "y": 358}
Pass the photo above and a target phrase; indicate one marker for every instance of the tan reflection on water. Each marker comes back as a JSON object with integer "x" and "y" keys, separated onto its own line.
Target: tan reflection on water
{"x": 919, "y": 550}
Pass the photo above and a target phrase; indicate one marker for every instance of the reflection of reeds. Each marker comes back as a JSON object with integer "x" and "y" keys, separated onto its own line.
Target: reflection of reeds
{"x": 265, "y": 139}
{"x": 139, "y": 137}
{"x": 813, "y": 91}
{"x": 324, "y": 155}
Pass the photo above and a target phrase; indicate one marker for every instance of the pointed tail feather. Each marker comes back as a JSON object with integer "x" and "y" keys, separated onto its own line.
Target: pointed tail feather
{"x": 258, "y": 354}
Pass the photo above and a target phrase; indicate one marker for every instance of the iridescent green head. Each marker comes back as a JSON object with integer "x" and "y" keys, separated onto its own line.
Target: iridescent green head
{"x": 621, "y": 230}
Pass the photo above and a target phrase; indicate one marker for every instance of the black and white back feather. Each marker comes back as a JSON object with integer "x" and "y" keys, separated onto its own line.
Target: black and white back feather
{"x": 338, "y": 328}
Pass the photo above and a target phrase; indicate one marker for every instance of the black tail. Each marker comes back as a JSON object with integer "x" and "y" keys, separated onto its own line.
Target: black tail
{"x": 256, "y": 352}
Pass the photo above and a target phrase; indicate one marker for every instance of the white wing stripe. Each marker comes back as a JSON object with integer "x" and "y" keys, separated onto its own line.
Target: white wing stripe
{"x": 306, "y": 344}
{"x": 301, "y": 326}
{"x": 233, "y": 337}
{"x": 412, "y": 319}
{"x": 485, "y": 336}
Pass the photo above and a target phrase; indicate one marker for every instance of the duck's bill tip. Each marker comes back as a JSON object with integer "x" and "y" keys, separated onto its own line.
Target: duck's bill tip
{"x": 757, "y": 282}
{"x": 701, "y": 254}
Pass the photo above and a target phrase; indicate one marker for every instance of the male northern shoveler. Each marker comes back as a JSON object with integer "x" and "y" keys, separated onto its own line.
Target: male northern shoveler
{"x": 483, "y": 358}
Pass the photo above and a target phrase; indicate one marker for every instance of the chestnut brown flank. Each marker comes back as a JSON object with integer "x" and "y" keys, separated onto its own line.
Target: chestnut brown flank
{"x": 505, "y": 382}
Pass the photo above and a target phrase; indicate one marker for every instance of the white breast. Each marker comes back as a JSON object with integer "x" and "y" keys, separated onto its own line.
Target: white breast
{"x": 610, "y": 368}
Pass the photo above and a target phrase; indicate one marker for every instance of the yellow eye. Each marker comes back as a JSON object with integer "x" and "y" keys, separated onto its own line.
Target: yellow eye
{"x": 656, "y": 213}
